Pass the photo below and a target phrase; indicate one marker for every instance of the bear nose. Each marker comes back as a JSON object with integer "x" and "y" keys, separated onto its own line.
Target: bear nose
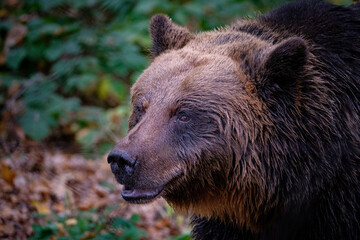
{"x": 122, "y": 160}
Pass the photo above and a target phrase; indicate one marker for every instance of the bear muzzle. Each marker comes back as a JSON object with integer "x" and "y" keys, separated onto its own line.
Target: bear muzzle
{"x": 123, "y": 167}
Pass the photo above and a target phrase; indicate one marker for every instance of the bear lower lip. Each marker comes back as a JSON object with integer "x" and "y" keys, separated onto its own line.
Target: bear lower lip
{"x": 140, "y": 195}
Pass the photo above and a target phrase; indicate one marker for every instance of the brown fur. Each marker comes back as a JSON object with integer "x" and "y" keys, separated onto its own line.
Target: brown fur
{"x": 242, "y": 125}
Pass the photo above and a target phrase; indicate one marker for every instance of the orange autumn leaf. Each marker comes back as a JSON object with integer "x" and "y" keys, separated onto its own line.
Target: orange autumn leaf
{"x": 41, "y": 207}
{"x": 7, "y": 174}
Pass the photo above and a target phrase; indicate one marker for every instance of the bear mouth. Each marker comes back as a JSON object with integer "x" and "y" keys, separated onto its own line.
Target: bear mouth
{"x": 140, "y": 196}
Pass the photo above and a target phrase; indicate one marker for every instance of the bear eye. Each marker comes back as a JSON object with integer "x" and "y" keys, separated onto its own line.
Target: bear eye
{"x": 184, "y": 118}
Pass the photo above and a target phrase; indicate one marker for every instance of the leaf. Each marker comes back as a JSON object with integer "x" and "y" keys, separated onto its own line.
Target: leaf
{"x": 108, "y": 236}
{"x": 34, "y": 26}
{"x": 58, "y": 105}
{"x": 128, "y": 59}
{"x": 35, "y": 51}
{"x": 87, "y": 36}
{"x": 90, "y": 114}
{"x": 50, "y": 28}
{"x": 71, "y": 47}
{"x": 134, "y": 233}
{"x": 135, "y": 218}
{"x": 81, "y": 4}
{"x": 145, "y": 7}
{"x": 41, "y": 207}
{"x": 36, "y": 94}
{"x": 71, "y": 221}
{"x": 104, "y": 87}
{"x": 7, "y": 173}
{"x": 79, "y": 81}
{"x": 54, "y": 51}
{"x": 111, "y": 87}
{"x": 112, "y": 4}
{"x": 114, "y": 40}
{"x": 14, "y": 36}
{"x": 15, "y": 57}
{"x": 87, "y": 138}
{"x": 57, "y": 48}
{"x": 2, "y": 59}
{"x": 105, "y": 147}
{"x": 5, "y": 24}
{"x": 118, "y": 89}
{"x": 47, "y": 5}
{"x": 119, "y": 222}
{"x": 64, "y": 67}
{"x": 84, "y": 64}
{"x": 44, "y": 232}
{"x": 135, "y": 76}
{"x": 184, "y": 236}
{"x": 36, "y": 124}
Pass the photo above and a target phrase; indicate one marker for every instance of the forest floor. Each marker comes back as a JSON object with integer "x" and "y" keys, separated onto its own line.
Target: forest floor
{"x": 45, "y": 192}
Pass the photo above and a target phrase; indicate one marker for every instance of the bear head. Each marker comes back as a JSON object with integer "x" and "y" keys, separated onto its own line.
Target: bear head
{"x": 204, "y": 112}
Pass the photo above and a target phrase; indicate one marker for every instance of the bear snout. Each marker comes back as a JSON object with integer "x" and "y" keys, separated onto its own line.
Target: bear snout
{"x": 122, "y": 165}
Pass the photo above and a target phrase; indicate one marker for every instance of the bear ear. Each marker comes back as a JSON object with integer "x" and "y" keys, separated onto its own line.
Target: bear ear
{"x": 284, "y": 62}
{"x": 167, "y": 35}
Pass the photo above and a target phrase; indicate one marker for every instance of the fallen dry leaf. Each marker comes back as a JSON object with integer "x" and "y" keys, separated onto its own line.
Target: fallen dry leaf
{"x": 41, "y": 207}
{"x": 7, "y": 174}
{"x": 12, "y": 2}
{"x": 71, "y": 221}
{"x": 14, "y": 36}
{"x": 2, "y": 57}
{"x": 37, "y": 180}
{"x": 8, "y": 230}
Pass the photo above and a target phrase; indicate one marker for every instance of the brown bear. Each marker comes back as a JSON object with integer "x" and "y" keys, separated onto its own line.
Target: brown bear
{"x": 253, "y": 129}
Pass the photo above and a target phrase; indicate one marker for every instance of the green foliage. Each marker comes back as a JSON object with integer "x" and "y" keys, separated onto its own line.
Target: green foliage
{"x": 44, "y": 232}
{"x": 88, "y": 225}
{"x": 72, "y": 62}
{"x": 75, "y": 60}
{"x": 130, "y": 231}
{"x": 186, "y": 235}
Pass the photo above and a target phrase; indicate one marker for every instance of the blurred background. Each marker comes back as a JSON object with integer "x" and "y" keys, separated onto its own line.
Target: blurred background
{"x": 66, "y": 68}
